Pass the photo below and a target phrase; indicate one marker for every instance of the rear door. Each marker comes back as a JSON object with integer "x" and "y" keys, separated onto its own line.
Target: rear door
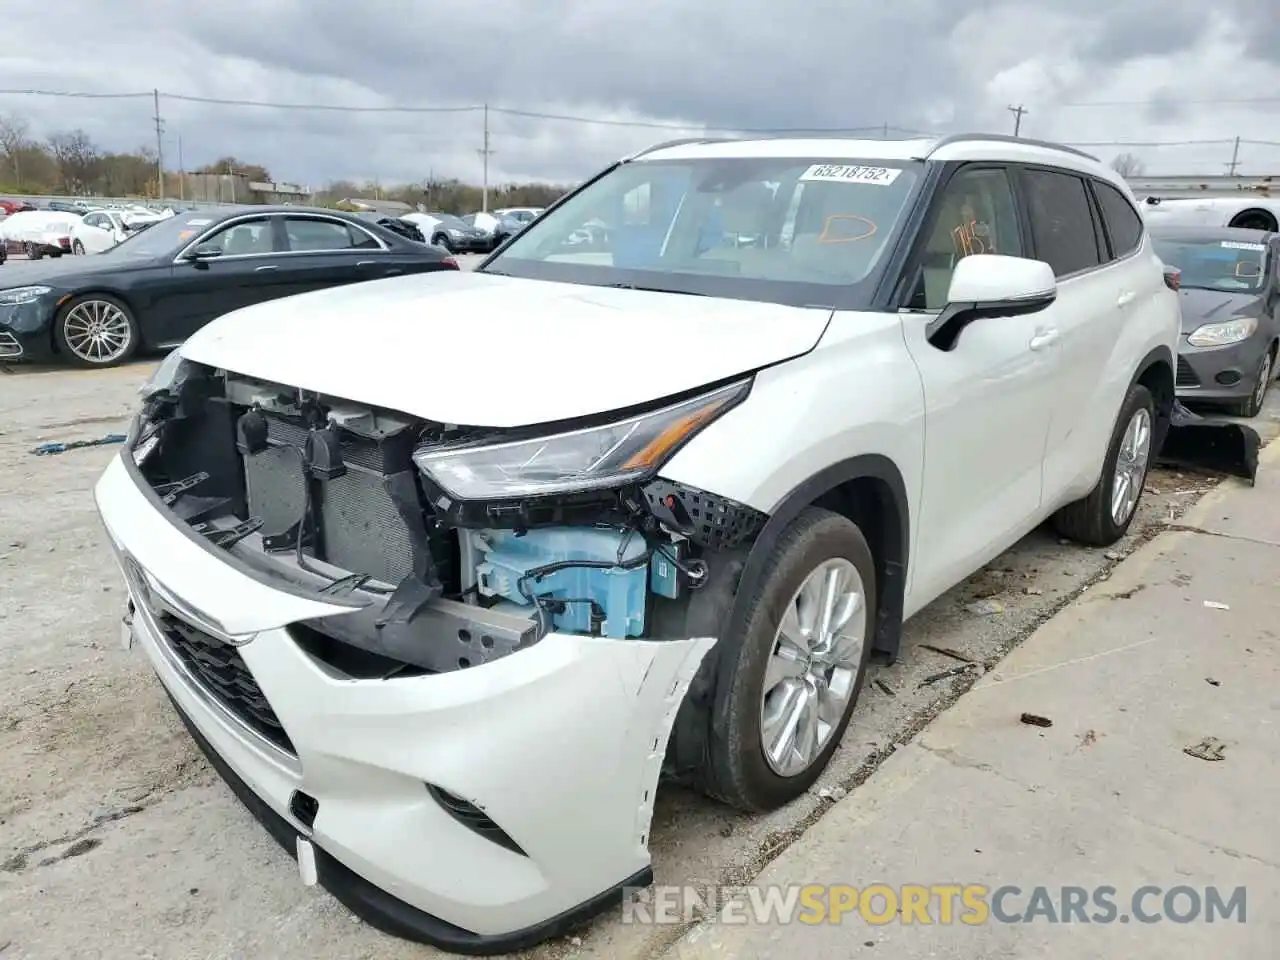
{"x": 987, "y": 401}
{"x": 325, "y": 251}
{"x": 1094, "y": 298}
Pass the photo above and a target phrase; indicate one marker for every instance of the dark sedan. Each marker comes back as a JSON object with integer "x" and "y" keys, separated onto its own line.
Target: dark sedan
{"x": 159, "y": 286}
{"x": 456, "y": 235}
{"x": 1230, "y": 296}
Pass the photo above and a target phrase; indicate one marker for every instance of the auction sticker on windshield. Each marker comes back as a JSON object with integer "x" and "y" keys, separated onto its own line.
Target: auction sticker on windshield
{"x": 851, "y": 173}
{"x": 1237, "y": 245}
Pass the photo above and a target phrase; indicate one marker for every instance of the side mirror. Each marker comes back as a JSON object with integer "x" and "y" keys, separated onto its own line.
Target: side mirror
{"x": 989, "y": 285}
{"x": 199, "y": 254}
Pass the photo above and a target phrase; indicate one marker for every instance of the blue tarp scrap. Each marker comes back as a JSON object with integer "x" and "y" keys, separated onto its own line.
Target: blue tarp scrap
{"x": 48, "y": 449}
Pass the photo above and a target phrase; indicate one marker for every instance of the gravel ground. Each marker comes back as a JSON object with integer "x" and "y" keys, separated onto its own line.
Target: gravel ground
{"x": 116, "y": 839}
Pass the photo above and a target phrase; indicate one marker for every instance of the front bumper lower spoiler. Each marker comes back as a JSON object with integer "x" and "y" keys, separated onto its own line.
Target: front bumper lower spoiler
{"x": 560, "y": 744}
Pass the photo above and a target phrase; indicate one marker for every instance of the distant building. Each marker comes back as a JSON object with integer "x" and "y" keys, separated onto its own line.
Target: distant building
{"x": 279, "y": 193}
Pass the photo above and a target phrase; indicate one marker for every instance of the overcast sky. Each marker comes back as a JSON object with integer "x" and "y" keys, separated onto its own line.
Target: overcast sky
{"x": 932, "y": 65}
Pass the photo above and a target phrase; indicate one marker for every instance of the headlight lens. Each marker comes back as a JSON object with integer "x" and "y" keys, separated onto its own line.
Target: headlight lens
{"x": 591, "y": 459}
{"x": 16, "y": 295}
{"x": 163, "y": 377}
{"x": 1221, "y": 334}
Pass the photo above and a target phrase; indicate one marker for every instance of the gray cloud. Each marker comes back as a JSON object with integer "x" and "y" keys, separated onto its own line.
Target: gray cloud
{"x": 736, "y": 64}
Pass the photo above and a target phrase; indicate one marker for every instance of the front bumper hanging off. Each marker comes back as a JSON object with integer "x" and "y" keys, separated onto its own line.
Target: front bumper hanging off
{"x": 556, "y": 747}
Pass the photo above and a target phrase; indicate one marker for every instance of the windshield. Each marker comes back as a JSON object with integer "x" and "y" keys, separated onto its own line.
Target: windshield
{"x": 1226, "y": 265}
{"x": 779, "y": 229}
{"x": 162, "y": 237}
{"x": 448, "y": 221}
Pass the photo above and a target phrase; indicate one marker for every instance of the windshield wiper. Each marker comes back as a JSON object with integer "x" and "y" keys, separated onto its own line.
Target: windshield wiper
{"x": 633, "y": 286}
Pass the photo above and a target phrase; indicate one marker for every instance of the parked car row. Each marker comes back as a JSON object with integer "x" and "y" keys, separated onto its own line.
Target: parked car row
{"x": 55, "y": 231}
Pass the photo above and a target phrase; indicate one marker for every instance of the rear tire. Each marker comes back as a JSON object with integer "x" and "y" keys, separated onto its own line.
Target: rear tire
{"x": 77, "y": 248}
{"x": 737, "y": 771}
{"x": 1097, "y": 520}
{"x": 442, "y": 241}
{"x": 33, "y": 252}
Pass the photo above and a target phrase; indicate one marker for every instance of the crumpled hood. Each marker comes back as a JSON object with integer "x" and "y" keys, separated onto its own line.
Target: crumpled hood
{"x": 479, "y": 350}
{"x": 1215, "y": 306}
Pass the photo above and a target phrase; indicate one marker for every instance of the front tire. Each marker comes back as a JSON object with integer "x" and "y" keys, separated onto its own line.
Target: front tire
{"x": 1104, "y": 516}
{"x": 789, "y": 685}
{"x": 77, "y": 248}
{"x": 96, "y": 330}
{"x": 1252, "y": 405}
{"x": 442, "y": 241}
{"x": 34, "y": 252}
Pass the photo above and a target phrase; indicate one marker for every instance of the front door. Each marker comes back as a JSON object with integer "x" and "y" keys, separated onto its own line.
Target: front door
{"x": 988, "y": 400}
{"x": 246, "y": 270}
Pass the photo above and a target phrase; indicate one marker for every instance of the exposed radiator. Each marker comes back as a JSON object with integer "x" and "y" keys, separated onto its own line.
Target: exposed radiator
{"x": 361, "y": 529}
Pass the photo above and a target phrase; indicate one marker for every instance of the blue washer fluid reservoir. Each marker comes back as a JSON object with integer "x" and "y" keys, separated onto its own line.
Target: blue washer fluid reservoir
{"x": 620, "y": 592}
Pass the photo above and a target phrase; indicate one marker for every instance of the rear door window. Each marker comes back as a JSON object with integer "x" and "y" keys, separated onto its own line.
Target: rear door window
{"x": 1062, "y": 224}
{"x": 1124, "y": 225}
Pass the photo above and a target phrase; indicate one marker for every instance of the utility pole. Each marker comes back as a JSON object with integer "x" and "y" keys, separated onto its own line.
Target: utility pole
{"x": 1018, "y": 112}
{"x": 1235, "y": 158}
{"x": 485, "y": 152}
{"x": 155, "y": 95}
{"x": 886, "y": 130}
{"x": 182, "y": 173}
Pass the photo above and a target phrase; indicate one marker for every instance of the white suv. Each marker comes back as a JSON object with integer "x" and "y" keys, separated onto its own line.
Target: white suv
{"x": 440, "y": 570}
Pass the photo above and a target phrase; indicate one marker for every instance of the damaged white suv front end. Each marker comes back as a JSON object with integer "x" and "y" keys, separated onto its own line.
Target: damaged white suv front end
{"x": 426, "y": 656}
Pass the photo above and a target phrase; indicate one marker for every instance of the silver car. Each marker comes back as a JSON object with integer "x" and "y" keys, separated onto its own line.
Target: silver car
{"x": 1230, "y": 296}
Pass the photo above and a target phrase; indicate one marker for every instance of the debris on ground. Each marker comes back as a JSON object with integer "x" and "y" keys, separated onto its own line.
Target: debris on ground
{"x": 1210, "y": 748}
{"x": 884, "y": 688}
{"x": 1114, "y": 555}
{"x": 1212, "y": 682}
{"x": 1033, "y": 591}
{"x": 948, "y": 652}
{"x": 1210, "y": 444}
{"x": 833, "y": 794}
{"x": 1035, "y": 720}
{"x": 948, "y": 674}
{"x": 1215, "y": 605}
{"x": 48, "y": 449}
{"x": 985, "y": 608}
{"x": 1089, "y": 738}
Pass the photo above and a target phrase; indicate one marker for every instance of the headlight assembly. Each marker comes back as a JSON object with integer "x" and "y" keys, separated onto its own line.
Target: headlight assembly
{"x": 1223, "y": 333}
{"x": 592, "y": 459}
{"x": 163, "y": 377}
{"x": 16, "y": 295}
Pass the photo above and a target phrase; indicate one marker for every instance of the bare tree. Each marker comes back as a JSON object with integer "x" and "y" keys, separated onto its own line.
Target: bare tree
{"x": 1128, "y": 165}
{"x": 13, "y": 137}
{"x": 77, "y": 158}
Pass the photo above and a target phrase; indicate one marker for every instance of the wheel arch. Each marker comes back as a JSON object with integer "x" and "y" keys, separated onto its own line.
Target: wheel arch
{"x": 1265, "y": 216}
{"x": 868, "y": 490}
{"x": 1155, "y": 372}
{"x": 80, "y": 294}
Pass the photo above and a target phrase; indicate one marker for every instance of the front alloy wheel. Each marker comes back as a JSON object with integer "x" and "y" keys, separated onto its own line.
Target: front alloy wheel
{"x": 810, "y": 675}
{"x": 1131, "y": 467}
{"x": 97, "y": 331}
{"x": 788, "y": 679}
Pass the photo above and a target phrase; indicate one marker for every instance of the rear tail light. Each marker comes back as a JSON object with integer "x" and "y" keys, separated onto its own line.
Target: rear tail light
{"x": 450, "y": 263}
{"x": 64, "y": 242}
{"x": 1172, "y": 278}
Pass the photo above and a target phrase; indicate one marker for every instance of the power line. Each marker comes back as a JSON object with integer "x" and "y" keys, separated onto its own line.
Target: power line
{"x": 1018, "y": 112}
{"x": 1194, "y": 102}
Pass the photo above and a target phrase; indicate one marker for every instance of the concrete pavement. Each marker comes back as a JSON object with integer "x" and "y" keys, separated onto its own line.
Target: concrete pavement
{"x": 1178, "y": 645}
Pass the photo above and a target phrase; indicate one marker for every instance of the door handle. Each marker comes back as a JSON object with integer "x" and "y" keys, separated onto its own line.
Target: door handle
{"x": 366, "y": 263}
{"x": 1043, "y": 339}
{"x": 264, "y": 269}
{"x": 1126, "y": 298}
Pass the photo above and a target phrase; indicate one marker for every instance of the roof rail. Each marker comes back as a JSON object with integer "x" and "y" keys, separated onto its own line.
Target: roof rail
{"x": 667, "y": 144}
{"x": 1005, "y": 138}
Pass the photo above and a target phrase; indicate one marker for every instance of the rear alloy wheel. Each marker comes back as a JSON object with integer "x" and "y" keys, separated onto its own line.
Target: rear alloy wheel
{"x": 1252, "y": 406}
{"x": 788, "y": 687}
{"x": 1103, "y": 517}
{"x": 77, "y": 248}
{"x": 97, "y": 330}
